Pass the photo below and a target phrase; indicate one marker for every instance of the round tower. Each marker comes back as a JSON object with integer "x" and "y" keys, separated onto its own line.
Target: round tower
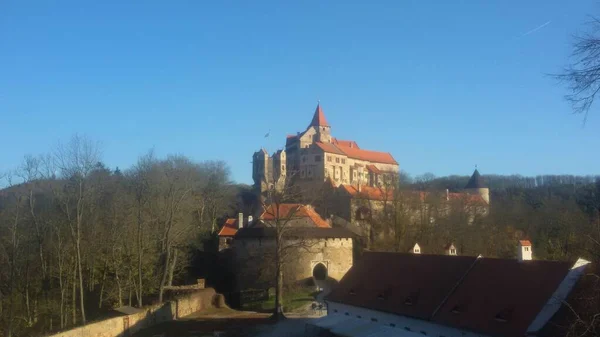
{"x": 477, "y": 185}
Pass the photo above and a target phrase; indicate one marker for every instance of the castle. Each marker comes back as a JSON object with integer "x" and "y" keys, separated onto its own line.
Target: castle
{"x": 314, "y": 156}
{"x": 356, "y": 188}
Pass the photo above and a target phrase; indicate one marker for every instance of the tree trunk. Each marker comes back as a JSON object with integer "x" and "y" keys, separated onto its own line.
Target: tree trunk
{"x": 165, "y": 273}
{"x": 102, "y": 283}
{"x": 172, "y": 268}
{"x": 74, "y": 295}
{"x": 81, "y": 300}
{"x": 118, "y": 281}
{"x": 278, "y": 309}
{"x": 140, "y": 250}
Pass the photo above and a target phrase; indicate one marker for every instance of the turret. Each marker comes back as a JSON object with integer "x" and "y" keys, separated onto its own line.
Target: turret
{"x": 322, "y": 128}
{"x": 477, "y": 185}
{"x": 261, "y": 167}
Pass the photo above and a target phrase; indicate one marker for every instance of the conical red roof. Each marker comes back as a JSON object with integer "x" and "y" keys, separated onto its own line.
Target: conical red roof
{"x": 319, "y": 117}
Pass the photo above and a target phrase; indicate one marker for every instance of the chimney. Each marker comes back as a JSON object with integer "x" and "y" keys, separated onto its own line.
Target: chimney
{"x": 250, "y": 218}
{"x": 525, "y": 251}
{"x": 450, "y": 250}
{"x": 447, "y": 195}
{"x": 241, "y": 220}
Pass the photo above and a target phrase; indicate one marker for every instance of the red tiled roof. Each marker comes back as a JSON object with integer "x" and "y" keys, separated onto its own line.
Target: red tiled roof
{"x": 373, "y": 156}
{"x": 494, "y": 297}
{"x": 368, "y": 192}
{"x": 294, "y": 211}
{"x": 356, "y": 153}
{"x": 229, "y": 228}
{"x": 348, "y": 143}
{"x": 372, "y": 168}
{"x": 426, "y": 282}
{"x": 329, "y": 148}
{"x": 319, "y": 117}
{"x": 525, "y": 242}
{"x": 502, "y": 289}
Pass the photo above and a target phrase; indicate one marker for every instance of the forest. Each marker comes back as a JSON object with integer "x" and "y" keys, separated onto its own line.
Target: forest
{"x": 78, "y": 238}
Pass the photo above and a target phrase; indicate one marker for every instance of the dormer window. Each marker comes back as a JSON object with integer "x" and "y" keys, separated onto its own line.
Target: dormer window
{"x": 417, "y": 250}
{"x": 452, "y": 251}
{"x": 408, "y": 301}
{"x": 352, "y": 292}
{"x": 526, "y": 249}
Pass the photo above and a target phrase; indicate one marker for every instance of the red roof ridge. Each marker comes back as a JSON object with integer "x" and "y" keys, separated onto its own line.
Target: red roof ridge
{"x": 319, "y": 117}
{"x": 229, "y": 227}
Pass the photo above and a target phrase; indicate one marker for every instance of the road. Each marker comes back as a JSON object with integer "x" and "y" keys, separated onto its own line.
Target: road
{"x": 231, "y": 323}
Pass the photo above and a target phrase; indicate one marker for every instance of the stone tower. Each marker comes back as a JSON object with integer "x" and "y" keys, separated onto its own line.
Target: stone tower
{"x": 477, "y": 185}
{"x": 262, "y": 169}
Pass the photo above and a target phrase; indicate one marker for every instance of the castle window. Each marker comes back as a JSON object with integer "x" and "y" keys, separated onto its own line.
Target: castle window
{"x": 318, "y": 158}
{"x": 283, "y": 167}
{"x": 526, "y": 249}
{"x": 337, "y": 160}
{"x": 329, "y": 158}
{"x": 452, "y": 251}
{"x": 343, "y": 161}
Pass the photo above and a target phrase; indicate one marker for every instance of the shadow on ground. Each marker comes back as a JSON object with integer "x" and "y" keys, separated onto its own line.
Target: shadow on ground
{"x": 242, "y": 325}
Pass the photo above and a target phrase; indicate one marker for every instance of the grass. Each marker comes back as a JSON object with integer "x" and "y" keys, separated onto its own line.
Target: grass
{"x": 293, "y": 299}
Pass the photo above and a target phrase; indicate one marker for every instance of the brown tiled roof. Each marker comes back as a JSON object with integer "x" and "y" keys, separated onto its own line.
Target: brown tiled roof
{"x": 403, "y": 284}
{"x": 329, "y": 148}
{"x": 229, "y": 228}
{"x": 348, "y": 143}
{"x": 372, "y": 168}
{"x": 495, "y": 297}
{"x": 319, "y": 117}
{"x": 525, "y": 242}
{"x": 293, "y": 211}
{"x": 501, "y": 297}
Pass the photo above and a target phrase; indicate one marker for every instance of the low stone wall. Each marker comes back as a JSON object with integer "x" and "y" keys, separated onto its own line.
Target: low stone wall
{"x": 194, "y": 302}
{"x": 182, "y": 305}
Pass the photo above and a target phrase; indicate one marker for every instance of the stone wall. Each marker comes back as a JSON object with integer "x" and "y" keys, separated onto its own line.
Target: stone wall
{"x": 148, "y": 316}
{"x": 254, "y": 260}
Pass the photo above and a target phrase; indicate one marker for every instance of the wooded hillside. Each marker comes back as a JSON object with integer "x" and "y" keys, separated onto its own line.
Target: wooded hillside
{"x": 78, "y": 238}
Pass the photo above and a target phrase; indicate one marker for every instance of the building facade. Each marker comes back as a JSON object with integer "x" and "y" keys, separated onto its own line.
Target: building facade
{"x": 314, "y": 155}
{"x": 312, "y": 249}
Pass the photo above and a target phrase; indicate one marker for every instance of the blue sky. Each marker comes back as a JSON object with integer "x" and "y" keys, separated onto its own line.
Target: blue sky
{"x": 442, "y": 85}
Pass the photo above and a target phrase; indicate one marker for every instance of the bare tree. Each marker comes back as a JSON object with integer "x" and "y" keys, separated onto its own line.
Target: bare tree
{"x": 582, "y": 76}
{"x": 76, "y": 160}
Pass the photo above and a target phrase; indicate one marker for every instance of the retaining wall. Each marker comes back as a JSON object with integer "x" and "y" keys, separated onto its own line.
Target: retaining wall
{"x": 126, "y": 325}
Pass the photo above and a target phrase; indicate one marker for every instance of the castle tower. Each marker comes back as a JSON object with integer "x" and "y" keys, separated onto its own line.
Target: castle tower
{"x": 262, "y": 169}
{"x": 322, "y": 128}
{"x": 477, "y": 185}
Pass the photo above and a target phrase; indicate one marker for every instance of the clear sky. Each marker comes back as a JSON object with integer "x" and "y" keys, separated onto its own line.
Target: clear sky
{"x": 442, "y": 85}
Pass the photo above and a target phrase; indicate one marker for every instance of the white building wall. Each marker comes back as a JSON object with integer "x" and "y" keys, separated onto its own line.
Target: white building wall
{"x": 424, "y": 328}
